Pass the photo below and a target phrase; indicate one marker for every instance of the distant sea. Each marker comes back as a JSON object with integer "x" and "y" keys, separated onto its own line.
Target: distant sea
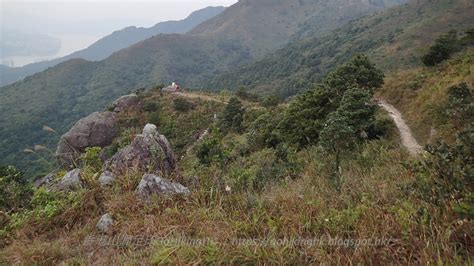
{"x": 69, "y": 44}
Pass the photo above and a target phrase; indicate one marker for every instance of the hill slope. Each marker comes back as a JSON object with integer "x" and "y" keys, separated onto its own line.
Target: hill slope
{"x": 394, "y": 39}
{"x": 114, "y": 42}
{"x": 243, "y": 32}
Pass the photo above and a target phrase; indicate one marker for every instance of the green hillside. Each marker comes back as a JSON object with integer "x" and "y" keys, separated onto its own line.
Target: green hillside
{"x": 254, "y": 196}
{"x": 394, "y": 39}
{"x": 68, "y": 91}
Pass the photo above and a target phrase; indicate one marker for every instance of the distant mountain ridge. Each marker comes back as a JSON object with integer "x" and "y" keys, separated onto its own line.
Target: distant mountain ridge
{"x": 394, "y": 39}
{"x": 114, "y": 42}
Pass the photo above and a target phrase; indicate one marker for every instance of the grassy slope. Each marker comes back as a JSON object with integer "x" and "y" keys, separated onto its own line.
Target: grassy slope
{"x": 394, "y": 39}
{"x": 61, "y": 95}
{"x": 420, "y": 92}
{"x": 372, "y": 203}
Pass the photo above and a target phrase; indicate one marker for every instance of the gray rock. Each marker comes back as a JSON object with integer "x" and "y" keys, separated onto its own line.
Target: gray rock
{"x": 105, "y": 224}
{"x": 70, "y": 181}
{"x": 155, "y": 185}
{"x": 95, "y": 130}
{"x": 45, "y": 181}
{"x": 106, "y": 179}
{"x": 128, "y": 103}
{"x": 149, "y": 152}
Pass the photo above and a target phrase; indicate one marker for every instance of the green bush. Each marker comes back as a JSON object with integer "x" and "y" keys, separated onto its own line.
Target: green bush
{"x": 211, "y": 149}
{"x": 15, "y": 190}
{"x": 442, "y": 49}
{"x": 91, "y": 158}
{"x": 151, "y": 106}
{"x": 448, "y": 173}
{"x": 232, "y": 117}
{"x": 181, "y": 105}
{"x": 459, "y": 107}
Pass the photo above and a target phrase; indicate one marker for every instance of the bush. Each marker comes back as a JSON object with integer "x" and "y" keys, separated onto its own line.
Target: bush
{"x": 459, "y": 107}
{"x": 442, "y": 49}
{"x": 91, "y": 158}
{"x": 151, "y": 106}
{"x": 211, "y": 150}
{"x": 271, "y": 101}
{"x": 181, "y": 105}
{"x": 232, "y": 117}
{"x": 448, "y": 173}
{"x": 15, "y": 190}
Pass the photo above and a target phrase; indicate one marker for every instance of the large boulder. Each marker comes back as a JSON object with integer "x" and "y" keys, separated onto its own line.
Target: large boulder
{"x": 155, "y": 185}
{"x": 96, "y": 130}
{"x": 149, "y": 152}
{"x": 128, "y": 103}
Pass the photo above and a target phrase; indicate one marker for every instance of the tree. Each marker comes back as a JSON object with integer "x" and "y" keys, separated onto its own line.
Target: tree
{"x": 338, "y": 136}
{"x": 442, "y": 49}
{"x": 305, "y": 117}
{"x": 232, "y": 116}
{"x": 358, "y": 72}
{"x": 356, "y": 106}
{"x": 308, "y": 113}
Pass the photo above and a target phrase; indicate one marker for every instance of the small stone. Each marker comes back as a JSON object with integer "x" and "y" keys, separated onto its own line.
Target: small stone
{"x": 45, "y": 181}
{"x": 155, "y": 185}
{"x": 71, "y": 180}
{"x": 106, "y": 179}
{"x": 105, "y": 224}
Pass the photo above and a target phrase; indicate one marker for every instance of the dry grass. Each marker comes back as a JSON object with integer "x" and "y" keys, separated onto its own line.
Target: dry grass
{"x": 370, "y": 204}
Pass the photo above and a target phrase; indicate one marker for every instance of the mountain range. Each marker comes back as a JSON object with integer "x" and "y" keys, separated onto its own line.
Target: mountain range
{"x": 112, "y": 43}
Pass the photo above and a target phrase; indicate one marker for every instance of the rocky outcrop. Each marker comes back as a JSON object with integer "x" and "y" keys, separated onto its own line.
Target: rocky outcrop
{"x": 149, "y": 152}
{"x": 95, "y": 130}
{"x": 155, "y": 185}
{"x": 105, "y": 224}
{"x": 70, "y": 181}
{"x": 127, "y": 103}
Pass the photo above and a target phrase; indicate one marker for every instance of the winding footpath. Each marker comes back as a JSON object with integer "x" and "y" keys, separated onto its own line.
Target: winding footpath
{"x": 408, "y": 140}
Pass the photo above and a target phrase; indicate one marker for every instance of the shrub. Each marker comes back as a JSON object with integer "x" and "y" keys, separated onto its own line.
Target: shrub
{"x": 271, "y": 101}
{"x": 448, "y": 173}
{"x": 91, "y": 158}
{"x": 232, "y": 117}
{"x": 442, "y": 49}
{"x": 154, "y": 118}
{"x": 181, "y": 105}
{"x": 151, "y": 106}
{"x": 14, "y": 189}
{"x": 211, "y": 149}
{"x": 459, "y": 107}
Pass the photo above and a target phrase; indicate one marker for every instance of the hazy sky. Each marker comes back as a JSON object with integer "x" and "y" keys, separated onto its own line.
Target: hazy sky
{"x": 94, "y": 17}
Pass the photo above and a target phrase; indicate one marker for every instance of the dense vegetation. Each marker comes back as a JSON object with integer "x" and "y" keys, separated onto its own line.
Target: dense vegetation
{"x": 394, "y": 39}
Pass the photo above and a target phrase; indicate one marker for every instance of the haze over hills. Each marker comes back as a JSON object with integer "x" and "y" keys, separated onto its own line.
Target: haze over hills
{"x": 60, "y": 95}
{"x": 394, "y": 39}
{"x": 114, "y": 42}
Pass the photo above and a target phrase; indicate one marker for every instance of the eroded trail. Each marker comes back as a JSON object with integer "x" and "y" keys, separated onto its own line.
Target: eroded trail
{"x": 408, "y": 140}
